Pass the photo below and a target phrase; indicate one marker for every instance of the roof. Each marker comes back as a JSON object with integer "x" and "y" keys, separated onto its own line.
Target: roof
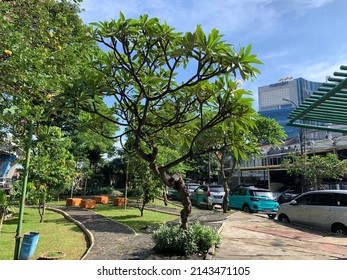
{"x": 326, "y": 108}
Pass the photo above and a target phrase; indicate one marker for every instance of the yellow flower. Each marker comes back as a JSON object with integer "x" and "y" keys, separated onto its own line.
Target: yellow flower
{"x": 8, "y": 52}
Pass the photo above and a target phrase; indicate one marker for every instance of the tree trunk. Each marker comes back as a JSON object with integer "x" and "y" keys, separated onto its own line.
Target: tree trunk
{"x": 179, "y": 185}
{"x": 41, "y": 209}
{"x": 226, "y": 196}
{"x": 226, "y": 179}
{"x": 2, "y": 218}
{"x": 142, "y": 207}
{"x": 176, "y": 181}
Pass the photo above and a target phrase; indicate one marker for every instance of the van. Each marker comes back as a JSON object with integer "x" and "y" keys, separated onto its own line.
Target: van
{"x": 325, "y": 209}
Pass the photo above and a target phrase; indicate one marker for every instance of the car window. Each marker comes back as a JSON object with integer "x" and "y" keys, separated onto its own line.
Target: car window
{"x": 304, "y": 200}
{"x": 324, "y": 199}
{"x": 216, "y": 189}
{"x": 242, "y": 192}
{"x": 262, "y": 193}
{"x": 341, "y": 199}
{"x": 204, "y": 188}
{"x": 237, "y": 192}
{"x": 193, "y": 187}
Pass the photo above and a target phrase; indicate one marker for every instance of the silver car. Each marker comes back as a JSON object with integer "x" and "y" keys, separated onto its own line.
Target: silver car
{"x": 326, "y": 209}
{"x": 215, "y": 194}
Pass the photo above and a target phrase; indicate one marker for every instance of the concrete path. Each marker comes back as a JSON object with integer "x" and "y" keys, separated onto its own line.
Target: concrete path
{"x": 109, "y": 240}
{"x": 254, "y": 236}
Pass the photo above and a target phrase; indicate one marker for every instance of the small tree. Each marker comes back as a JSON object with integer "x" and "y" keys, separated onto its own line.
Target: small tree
{"x": 5, "y": 206}
{"x": 238, "y": 143}
{"x": 315, "y": 168}
{"x": 167, "y": 87}
{"x": 147, "y": 184}
{"x": 37, "y": 195}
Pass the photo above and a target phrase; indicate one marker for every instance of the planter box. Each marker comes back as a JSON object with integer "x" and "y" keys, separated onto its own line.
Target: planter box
{"x": 119, "y": 201}
{"x": 73, "y": 201}
{"x": 88, "y": 203}
{"x": 103, "y": 199}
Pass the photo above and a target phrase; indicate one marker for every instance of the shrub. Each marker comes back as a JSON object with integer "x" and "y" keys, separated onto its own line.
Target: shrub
{"x": 173, "y": 240}
{"x": 205, "y": 237}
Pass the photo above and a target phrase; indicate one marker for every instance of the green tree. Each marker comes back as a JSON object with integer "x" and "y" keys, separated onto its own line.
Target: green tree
{"x": 199, "y": 169}
{"x": 141, "y": 177}
{"x": 42, "y": 46}
{"x": 90, "y": 138}
{"x": 163, "y": 83}
{"x": 52, "y": 162}
{"x": 5, "y": 206}
{"x": 315, "y": 168}
{"x": 238, "y": 147}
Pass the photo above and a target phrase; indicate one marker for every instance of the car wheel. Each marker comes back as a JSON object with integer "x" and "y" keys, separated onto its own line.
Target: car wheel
{"x": 340, "y": 230}
{"x": 246, "y": 208}
{"x": 271, "y": 216}
{"x": 284, "y": 219}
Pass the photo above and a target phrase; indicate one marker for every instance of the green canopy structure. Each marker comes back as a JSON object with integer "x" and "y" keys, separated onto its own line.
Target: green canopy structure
{"x": 326, "y": 108}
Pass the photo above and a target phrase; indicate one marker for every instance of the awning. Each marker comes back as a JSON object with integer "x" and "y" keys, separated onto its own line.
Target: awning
{"x": 326, "y": 108}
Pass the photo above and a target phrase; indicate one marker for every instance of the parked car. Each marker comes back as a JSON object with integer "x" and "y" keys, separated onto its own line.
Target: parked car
{"x": 326, "y": 209}
{"x": 192, "y": 186}
{"x": 254, "y": 200}
{"x": 214, "y": 194}
{"x": 232, "y": 189}
{"x": 172, "y": 194}
{"x": 289, "y": 194}
{"x": 175, "y": 195}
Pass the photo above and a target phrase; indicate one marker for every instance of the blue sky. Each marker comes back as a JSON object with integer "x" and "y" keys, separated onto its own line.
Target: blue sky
{"x": 293, "y": 38}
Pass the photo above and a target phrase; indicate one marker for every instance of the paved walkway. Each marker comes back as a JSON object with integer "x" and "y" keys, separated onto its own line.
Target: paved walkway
{"x": 244, "y": 236}
{"x": 254, "y": 236}
{"x": 110, "y": 240}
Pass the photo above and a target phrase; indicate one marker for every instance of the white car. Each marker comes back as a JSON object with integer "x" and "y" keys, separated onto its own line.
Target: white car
{"x": 325, "y": 209}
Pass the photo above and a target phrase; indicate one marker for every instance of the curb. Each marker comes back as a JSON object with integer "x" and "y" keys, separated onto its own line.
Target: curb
{"x": 212, "y": 250}
{"x": 80, "y": 225}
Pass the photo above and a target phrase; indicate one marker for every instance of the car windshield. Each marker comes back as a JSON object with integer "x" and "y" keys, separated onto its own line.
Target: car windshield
{"x": 216, "y": 189}
{"x": 263, "y": 193}
{"x": 193, "y": 187}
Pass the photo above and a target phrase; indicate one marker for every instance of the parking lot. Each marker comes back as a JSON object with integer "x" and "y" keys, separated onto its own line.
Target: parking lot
{"x": 255, "y": 236}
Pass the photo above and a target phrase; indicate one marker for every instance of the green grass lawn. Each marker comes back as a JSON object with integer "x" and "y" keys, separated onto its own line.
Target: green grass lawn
{"x": 55, "y": 234}
{"x": 59, "y": 234}
{"x": 131, "y": 216}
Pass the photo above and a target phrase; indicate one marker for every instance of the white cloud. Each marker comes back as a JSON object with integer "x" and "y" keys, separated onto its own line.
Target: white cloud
{"x": 318, "y": 71}
{"x": 225, "y": 15}
{"x": 275, "y": 54}
{"x": 309, "y": 4}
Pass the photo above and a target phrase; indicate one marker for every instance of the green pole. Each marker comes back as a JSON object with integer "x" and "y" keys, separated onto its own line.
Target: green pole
{"x": 126, "y": 184}
{"x": 24, "y": 187}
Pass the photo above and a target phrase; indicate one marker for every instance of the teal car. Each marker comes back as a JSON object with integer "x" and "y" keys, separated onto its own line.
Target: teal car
{"x": 254, "y": 200}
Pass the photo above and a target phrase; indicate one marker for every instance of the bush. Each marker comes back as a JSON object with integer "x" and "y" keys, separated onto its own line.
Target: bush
{"x": 173, "y": 240}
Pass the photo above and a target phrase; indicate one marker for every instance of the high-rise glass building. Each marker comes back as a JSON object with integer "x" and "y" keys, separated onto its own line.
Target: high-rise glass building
{"x": 277, "y": 100}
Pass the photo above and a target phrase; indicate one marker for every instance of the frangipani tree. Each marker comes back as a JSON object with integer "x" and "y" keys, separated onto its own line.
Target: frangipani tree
{"x": 239, "y": 143}
{"x": 166, "y": 87}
